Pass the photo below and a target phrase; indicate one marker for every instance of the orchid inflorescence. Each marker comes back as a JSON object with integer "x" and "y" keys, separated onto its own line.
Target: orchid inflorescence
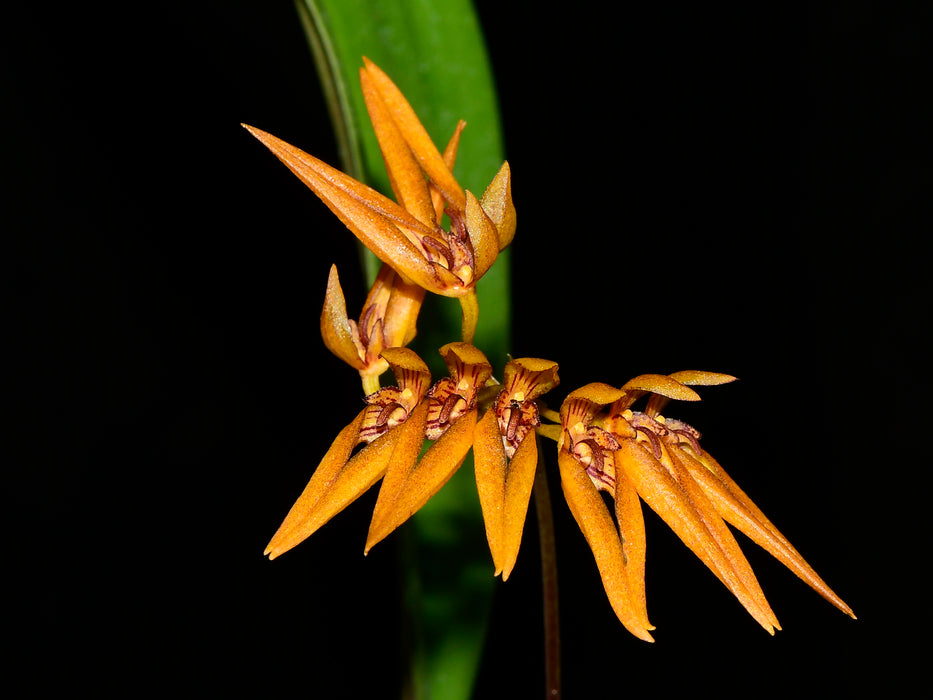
{"x": 604, "y": 443}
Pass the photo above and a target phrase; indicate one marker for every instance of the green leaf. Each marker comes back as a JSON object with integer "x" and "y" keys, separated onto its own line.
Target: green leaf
{"x": 434, "y": 51}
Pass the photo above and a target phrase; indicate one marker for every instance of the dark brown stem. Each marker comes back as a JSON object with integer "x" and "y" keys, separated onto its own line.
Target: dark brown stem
{"x": 548, "y": 581}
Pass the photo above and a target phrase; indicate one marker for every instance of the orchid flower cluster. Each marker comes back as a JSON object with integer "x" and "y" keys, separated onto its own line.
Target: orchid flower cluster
{"x": 413, "y": 436}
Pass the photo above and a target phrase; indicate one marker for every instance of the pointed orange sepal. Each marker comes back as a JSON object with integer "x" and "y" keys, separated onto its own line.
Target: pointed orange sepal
{"x": 741, "y": 575}
{"x": 297, "y": 526}
{"x": 631, "y": 522}
{"x": 739, "y": 511}
{"x": 504, "y": 488}
{"x": 601, "y": 534}
{"x": 388, "y": 230}
{"x": 356, "y": 477}
{"x": 404, "y": 170}
{"x": 665, "y": 496}
{"x": 408, "y": 485}
{"x": 491, "y": 465}
{"x": 415, "y": 135}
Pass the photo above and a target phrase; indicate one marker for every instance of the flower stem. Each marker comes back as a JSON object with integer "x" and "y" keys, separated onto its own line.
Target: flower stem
{"x": 548, "y": 580}
{"x": 470, "y": 307}
{"x": 370, "y": 383}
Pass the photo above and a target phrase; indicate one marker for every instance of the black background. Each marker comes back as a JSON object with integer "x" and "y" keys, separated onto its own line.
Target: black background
{"x": 733, "y": 190}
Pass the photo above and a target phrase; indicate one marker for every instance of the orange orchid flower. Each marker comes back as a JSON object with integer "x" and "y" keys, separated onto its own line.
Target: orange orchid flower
{"x": 583, "y": 448}
{"x": 506, "y": 456}
{"x": 451, "y": 409}
{"x": 407, "y": 235}
{"x": 414, "y": 436}
{"x": 388, "y": 320}
{"x": 606, "y": 446}
{"x": 391, "y": 425}
{"x": 394, "y": 426}
{"x": 396, "y": 422}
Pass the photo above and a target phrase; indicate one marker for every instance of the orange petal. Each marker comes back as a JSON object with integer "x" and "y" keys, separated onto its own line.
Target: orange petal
{"x": 689, "y": 377}
{"x": 601, "y": 534}
{"x": 694, "y": 377}
{"x": 405, "y": 174}
{"x": 665, "y": 496}
{"x": 739, "y": 511}
{"x": 335, "y": 326}
{"x": 416, "y": 136}
{"x": 663, "y": 385}
{"x": 409, "y": 485}
{"x": 483, "y": 236}
{"x": 497, "y": 202}
{"x": 292, "y": 531}
{"x": 631, "y": 523}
